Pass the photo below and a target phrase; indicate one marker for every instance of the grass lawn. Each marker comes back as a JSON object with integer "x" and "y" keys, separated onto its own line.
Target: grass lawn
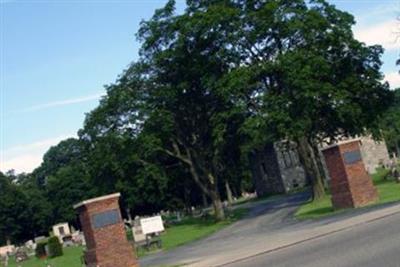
{"x": 71, "y": 258}
{"x": 389, "y": 191}
{"x": 192, "y": 229}
{"x": 188, "y": 230}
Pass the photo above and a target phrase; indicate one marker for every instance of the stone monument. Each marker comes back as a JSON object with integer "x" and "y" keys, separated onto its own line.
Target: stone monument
{"x": 351, "y": 185}
{"x": 103, "y": 228}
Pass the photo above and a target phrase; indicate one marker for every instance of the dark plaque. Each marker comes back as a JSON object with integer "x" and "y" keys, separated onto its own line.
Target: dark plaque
{"x": 352, "y": 157}
{"x": 106, "y": 218}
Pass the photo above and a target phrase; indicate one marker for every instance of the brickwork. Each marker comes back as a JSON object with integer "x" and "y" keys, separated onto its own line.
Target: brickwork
{"x": 351, "y": 185}
{"x": 107, "y": 246}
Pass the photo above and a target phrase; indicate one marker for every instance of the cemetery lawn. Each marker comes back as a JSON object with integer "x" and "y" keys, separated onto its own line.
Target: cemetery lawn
{"x": 388, "y": 190}
{"x": 192, "y": 229}
{"x": 71, "y": 258}
{"x": 187, "y": 230}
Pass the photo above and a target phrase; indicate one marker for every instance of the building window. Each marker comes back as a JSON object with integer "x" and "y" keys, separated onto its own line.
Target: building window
{"x": 264, "y": 168}
{"x": 61, "y": 230}
{"x": 288, "y": 161}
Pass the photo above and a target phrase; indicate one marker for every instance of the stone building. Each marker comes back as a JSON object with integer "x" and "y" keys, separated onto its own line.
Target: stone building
{"x": 374, "y": 153}
{"x": 276, "y": 169}
{"x": 61, "y": 230}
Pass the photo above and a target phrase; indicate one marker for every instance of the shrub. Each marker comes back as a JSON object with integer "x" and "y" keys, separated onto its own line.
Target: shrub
{"x": 40, "y": 250}
{"x": 55, "y": 247}
{"x": 129, "y": 234}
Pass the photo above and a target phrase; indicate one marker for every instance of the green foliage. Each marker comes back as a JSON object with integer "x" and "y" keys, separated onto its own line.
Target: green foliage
{"x": 40, "y": 251}
{"x": 14, "y": 212}
{"x": 55, "y": 247}
{"x": 211, "y": 83}
{"x": 391, "y": 125}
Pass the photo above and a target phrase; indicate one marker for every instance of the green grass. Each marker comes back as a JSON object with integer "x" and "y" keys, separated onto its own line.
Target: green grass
{"x": 191, "y": 229}
{"x": 388, "y": 190}
{"x": 188, "y": 230}
{"x": 71, "y": 258}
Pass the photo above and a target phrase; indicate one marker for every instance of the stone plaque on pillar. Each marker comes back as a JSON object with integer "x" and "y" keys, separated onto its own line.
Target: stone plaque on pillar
{"x": 351, "y": 185}
{"x": 103, "y": 227}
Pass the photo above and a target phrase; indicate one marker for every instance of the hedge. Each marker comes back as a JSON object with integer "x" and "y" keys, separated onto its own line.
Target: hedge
{"x": 55, "y": 247}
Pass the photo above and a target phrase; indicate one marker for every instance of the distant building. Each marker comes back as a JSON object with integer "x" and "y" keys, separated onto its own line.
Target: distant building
{"x": 61, "y": 230}
{"x": 374, "y": 154}
{"x": 276, "y": 168}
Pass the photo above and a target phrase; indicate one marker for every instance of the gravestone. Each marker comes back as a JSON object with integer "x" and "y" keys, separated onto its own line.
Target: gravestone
{"x": 103, "y": 228}
{"x": 351, "y": 185}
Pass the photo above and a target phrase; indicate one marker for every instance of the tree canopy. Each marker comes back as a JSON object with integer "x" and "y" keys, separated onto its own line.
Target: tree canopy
{"x": 213, "y": 82}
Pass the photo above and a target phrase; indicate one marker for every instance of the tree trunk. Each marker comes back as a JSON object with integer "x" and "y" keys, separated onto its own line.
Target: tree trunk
{"x": 205, "y": 201}
{"x": 321, "y": 167}
{"x": 218, "y": 206}
{"x": 202, "y": 176}
{"x": 309, "y": 161}
{"x": 228, "y": 193}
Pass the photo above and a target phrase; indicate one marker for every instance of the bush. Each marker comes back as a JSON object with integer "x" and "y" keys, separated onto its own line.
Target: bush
{"x": 55, "y": 247}
{"x": 129, "y": 234}
{"x": 40, "y": 250}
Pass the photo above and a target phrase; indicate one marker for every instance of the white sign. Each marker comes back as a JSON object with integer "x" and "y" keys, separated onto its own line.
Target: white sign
{"x": 152, "y": 225}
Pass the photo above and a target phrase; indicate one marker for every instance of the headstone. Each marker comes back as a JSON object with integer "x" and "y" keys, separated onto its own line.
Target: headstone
{"x": 351, "y": 185}
{"x": 21, "y": 255}
{"x": 103, "y": 228}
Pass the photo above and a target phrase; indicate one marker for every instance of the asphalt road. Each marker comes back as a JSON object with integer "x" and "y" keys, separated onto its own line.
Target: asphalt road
{"x": 264, "y": 217}
{"x": 374, "y": 244}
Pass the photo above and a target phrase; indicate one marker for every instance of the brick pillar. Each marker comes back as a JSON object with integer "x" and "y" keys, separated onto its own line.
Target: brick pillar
{"x": 351, "y": 185}
{"x": 103, "y": 227}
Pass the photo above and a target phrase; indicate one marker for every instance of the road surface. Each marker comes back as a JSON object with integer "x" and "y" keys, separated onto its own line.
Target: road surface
{"x": 374, "y": 244}
{"x": 264, "y": 217}
{"x": 352, "y": 238}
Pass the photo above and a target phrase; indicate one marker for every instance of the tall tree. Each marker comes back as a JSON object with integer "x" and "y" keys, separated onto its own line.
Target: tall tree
{"x": 14, "y": 212}
{"x": 304, "y": 77}
{"x": 391, "y": 125}
{"x": 125, "y": 156}
{"x": 183, "y": 60}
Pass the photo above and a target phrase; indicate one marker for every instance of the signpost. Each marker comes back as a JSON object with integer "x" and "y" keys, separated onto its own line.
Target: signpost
{"x": 152, "y": 225}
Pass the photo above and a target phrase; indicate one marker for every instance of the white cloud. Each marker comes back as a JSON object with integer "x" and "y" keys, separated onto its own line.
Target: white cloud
{"x": 63, "y": 102}
{"x": 394, "y": 79}
{"x": 386, "y": 33}
{"x": 377, "y": 12}
{"x": 25, "y": 158}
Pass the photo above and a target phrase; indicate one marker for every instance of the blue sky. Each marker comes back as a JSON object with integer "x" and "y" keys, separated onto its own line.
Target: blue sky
{"x": 57, "y": 55}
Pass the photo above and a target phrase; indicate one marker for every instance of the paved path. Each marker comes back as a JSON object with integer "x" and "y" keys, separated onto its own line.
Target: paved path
{"x": 369, "y": 245}
{"x": 264, "y": 217}
{"x": 270, "y": 227}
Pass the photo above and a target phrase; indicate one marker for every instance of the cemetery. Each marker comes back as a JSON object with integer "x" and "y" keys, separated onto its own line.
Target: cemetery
{"x": 105, "y": 238}
{"x": 180, "y": 230}
{"x": 235, "y": 129}
{"x": 186, "y": 229}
